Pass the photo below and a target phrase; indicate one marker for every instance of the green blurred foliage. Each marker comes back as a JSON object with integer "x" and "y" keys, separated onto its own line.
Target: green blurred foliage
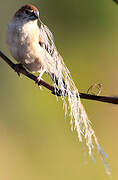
{"x": 35, "y": 140}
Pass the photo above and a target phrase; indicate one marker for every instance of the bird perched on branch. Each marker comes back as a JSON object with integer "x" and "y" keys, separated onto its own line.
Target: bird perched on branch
{"x": 33, "y": 46}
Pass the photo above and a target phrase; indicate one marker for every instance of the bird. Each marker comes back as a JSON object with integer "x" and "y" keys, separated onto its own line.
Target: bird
{"x": 32, "y": 44}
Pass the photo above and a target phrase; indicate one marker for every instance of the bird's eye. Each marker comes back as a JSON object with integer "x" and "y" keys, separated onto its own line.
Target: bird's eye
{"x": 29, "y": 12}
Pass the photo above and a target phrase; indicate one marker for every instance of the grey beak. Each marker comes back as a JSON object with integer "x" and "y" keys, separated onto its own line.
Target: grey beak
{"x": 36, "y": 14}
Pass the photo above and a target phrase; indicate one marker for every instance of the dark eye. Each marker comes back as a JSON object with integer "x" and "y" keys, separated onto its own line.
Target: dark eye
{"x": 29, "y": 12}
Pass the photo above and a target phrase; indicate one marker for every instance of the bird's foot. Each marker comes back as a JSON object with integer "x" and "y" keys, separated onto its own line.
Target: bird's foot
{"x": 18, "y": 68}
{"x": 38, "y": 80}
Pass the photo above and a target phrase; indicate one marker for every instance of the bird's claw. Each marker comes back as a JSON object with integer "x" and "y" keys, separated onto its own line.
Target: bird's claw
{"x": 38, "y": 81}
{"x": 17, "y": 68}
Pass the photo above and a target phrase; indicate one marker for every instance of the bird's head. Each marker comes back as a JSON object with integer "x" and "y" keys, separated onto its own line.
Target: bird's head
{"x": 27, "y": 13}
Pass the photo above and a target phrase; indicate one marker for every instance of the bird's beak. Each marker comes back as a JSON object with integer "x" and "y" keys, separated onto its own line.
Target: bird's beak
{"x": 36, "y": 14}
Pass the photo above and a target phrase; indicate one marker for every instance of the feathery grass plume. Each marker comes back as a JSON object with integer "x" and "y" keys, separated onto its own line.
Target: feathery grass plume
{"x": 63, "y": 81}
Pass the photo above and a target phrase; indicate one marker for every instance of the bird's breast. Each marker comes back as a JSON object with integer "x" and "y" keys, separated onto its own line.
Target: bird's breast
{"x": 22, "y": 41}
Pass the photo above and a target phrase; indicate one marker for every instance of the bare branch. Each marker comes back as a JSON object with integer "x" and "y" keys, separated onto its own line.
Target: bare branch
{"x": 116, "y": 1}
{"x": 22, "y": 70}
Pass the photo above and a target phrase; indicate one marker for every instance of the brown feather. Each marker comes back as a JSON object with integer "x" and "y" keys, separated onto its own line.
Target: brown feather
{"x": 23, "y": 8}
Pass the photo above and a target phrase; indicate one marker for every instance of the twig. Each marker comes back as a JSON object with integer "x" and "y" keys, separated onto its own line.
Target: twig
{"x": 22, "y": 70}
{"x": 116, "y": 1}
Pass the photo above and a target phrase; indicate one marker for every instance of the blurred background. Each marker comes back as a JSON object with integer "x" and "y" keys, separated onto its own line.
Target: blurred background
{"x": 35, "y": 140}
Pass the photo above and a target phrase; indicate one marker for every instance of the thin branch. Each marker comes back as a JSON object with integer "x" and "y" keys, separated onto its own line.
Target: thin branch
{"x": 22, "y": 70}
{"x": 116, "y": 1}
